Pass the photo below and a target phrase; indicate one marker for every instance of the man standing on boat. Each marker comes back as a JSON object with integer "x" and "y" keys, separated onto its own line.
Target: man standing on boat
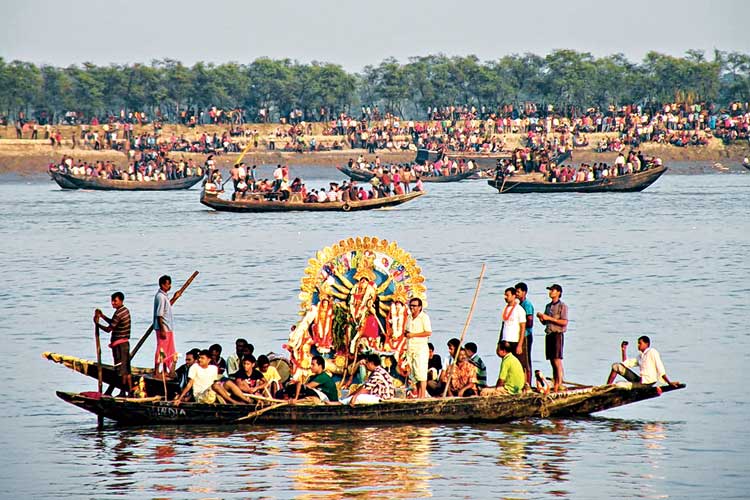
{"x": 648, "y": 362}
{"x": 418, "y": 331}
{"x": 119, "y": 326}
{"x": 522, "y": 291}
{"x": 555, "y": 320}
{"x": 164, "y": 329}
{"x": 513, "y": 329}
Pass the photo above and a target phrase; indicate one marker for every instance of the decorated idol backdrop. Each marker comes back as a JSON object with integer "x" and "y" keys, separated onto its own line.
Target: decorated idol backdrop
{"x": 354, "y": 298}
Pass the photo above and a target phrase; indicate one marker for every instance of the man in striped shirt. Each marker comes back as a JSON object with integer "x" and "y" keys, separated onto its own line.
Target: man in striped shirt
{"x": 119, "y": 327}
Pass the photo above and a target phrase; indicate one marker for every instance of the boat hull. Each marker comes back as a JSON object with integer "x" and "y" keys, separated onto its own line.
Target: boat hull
{"x": 253, "y": 206}
{"x": 62, "y": 180}
{"x": 98, "y": 184}
{"x": 579, "y": 402}
{"x": 624, "y": 183}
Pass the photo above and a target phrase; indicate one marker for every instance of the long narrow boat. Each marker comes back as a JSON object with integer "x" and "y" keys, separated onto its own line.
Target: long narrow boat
{"x": 362, "y": 175}
{"x": 258, "y": 203}
{"x": 578, "y": 402}
{"x": 99, "y": 184}
{"x": 482, "y": 161}
{"x": 61, "y": 180}
{"x": 623, "y": 183}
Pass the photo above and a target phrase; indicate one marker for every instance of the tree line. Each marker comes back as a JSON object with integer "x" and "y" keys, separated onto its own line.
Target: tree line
{"x": 565, "y": 79}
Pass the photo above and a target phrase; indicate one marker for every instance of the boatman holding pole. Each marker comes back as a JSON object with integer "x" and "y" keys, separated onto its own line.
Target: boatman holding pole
{"x": 166, "y": 355}
{"x": 119, "y": 326}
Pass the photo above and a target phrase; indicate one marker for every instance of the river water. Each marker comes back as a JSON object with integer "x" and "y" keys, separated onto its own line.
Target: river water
{"x": 671, "y": 262}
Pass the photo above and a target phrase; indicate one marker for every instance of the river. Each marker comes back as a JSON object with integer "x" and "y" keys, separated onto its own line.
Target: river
{"x": 670, "y": 262}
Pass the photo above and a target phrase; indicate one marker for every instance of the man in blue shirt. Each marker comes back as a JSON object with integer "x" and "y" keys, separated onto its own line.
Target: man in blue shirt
{"x": 521, "y": 291}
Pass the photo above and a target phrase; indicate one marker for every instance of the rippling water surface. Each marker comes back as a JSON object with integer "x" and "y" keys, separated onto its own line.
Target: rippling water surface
{"x": 671, "y": 262}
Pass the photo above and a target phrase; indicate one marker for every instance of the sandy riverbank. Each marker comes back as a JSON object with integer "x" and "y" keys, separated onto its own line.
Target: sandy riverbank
{"x": 30, "y": 157}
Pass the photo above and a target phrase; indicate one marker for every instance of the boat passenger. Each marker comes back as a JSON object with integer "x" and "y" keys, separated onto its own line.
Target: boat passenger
{"x": 248, "y": 379}
{"x": 202, "y": 381}
{"x": 216, "y": 359}
{"x": 511, "y": 379}
{"x": 474, "y": 359}
{"x": 435, "y": 365}
{"x": 182, "y": 372}
{"x": 378, "y": 386}
{"x": 319, "y": 386}
{"x": 233, "y": 361}
{"x": 270, "y": 373}
{"x": 648, "y": 362}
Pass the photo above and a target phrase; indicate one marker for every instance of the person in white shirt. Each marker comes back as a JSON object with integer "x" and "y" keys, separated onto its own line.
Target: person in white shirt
{"x": 513, "y": 327}
{"x": 418, "y": 331}
{"x": 648, "y": 362}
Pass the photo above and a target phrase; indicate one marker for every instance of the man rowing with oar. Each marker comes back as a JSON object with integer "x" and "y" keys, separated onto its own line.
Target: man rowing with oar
{"x": 119, "y": 326}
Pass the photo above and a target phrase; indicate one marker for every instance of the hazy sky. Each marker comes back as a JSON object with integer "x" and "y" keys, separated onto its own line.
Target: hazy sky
{"x": 357, "y": 33}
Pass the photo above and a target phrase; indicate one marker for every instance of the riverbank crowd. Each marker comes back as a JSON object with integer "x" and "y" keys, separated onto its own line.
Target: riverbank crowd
{"x": 452, "y": 128}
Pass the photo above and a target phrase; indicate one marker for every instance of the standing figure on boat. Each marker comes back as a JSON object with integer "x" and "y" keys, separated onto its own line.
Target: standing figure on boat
{"x": 395, "y": 338}
{"x": 323, "y": 325}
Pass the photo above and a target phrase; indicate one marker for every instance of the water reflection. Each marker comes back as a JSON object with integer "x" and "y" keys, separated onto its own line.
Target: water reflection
{"x": 391, "y": 460}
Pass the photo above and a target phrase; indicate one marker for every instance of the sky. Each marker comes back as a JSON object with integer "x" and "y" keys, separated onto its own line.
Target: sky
{"x": 354, "y": 34}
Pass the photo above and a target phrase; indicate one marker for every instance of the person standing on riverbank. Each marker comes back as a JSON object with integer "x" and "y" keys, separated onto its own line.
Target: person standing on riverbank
{"x": 166, "y": 355}
{"x": 555, "y": 320}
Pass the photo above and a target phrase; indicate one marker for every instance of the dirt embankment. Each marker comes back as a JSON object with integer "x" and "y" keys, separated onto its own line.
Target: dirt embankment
{"x": 30, "y": 157}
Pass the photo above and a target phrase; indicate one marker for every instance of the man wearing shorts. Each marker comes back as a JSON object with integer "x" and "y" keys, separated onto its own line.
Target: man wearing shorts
{"x": 418, "y": 331}
{"x": 119, "y": 327}
{"x": 555, "y": 320}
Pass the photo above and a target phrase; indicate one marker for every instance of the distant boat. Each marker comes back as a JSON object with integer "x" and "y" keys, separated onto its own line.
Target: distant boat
{"x": 69, "y": 181}
{"x": 481, "y": 161}
{"x": 581, "y": 401}
{"x": 259, "y": 203}
{"x": 622, "y": 183}
{"x": 362, "y": 175}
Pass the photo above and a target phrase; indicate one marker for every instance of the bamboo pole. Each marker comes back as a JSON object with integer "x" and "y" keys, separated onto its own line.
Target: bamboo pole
{"x": 174, "y": 298}
{"x": 466, "y": 327}
{"x": 99, "y": 418}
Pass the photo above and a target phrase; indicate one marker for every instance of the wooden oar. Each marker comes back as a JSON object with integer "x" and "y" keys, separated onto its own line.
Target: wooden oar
{"x": 174, "y": 298}
{"x": 466, "y": 327}
{"x": 254, "y": 414}
{"x": 99, "y": 418}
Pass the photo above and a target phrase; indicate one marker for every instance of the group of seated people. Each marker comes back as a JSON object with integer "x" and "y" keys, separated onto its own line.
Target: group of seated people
{"x": 634, "y": 163}
{"x": 155, "y": 169}
{"x": 206, "y": 377}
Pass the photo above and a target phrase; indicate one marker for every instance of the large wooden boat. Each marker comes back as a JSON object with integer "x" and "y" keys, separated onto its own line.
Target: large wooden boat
{"x": 259, "y": 203}
{"x": 362, "y": 175}
{"x": 61, "y": 180}
{"x": 578, "y": 402}
{"x": 623, "y": 183}
{"x": 482, "y": 161}
{"x": 99, "y": 184}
